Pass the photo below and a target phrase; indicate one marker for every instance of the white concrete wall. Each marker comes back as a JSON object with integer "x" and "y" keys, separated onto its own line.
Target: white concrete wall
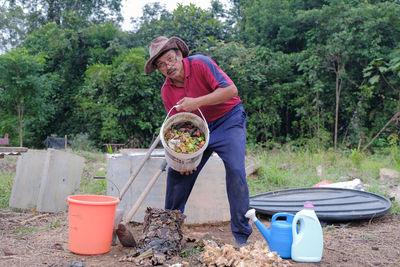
{"x": 207, "y": 203}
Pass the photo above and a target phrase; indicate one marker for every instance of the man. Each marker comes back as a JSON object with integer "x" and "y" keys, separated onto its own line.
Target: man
{"x": 196, "y": 82}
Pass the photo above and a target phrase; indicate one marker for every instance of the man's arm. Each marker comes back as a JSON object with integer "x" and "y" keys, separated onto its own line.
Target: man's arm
{"x": 218, "y": 96}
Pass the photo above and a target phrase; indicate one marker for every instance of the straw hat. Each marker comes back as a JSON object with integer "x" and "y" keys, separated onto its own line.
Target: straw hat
{"x": 160, "y": 45}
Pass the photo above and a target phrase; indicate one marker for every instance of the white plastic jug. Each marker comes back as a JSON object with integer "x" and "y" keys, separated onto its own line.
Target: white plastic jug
{"x": 308, "y": 242}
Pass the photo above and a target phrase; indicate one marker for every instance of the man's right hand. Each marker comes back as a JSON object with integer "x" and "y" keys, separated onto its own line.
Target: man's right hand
{"x": 188, "y": 172}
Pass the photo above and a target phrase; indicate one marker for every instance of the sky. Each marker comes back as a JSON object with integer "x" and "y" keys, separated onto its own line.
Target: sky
{"x": 133, "y": 8}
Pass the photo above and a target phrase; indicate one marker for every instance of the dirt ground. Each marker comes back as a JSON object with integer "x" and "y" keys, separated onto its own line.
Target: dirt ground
{"x": 41, "y": 239}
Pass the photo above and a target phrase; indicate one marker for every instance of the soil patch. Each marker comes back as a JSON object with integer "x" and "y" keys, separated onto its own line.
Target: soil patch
{"x": 41, "y": 239}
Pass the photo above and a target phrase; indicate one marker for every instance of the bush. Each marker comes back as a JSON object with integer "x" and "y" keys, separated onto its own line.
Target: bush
{"x": 82, "y": 142}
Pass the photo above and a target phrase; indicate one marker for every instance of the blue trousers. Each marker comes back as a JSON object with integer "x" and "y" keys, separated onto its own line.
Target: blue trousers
{"x": 228, "y": 140}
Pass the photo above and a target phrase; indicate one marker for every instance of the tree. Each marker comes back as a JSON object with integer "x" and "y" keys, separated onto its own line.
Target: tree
{"x": 199, "y": 28}
{"x": 19, "y": 18}
{"x": 273, "y": 24}
{"x": 12, "y": 27}
{"x": 389, "y": 73}
{"x": 20, "y": 81}
{"x": 119, "y": 102}
{"x": 346, "y": 36}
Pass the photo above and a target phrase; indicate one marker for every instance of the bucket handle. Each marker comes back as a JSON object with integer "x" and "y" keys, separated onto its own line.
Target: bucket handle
{"x": 178, "y": 106}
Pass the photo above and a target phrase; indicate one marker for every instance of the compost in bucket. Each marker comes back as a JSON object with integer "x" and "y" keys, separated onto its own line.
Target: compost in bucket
{"x": 185, "y": 138}
{"x": 91, "y": 221}
{"x": 180, "y": 161}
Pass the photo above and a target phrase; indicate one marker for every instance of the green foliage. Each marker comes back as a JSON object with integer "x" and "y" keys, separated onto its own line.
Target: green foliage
{"x": 24, "y": 230}
{"x": 395, "y": 207}
{"x": 288, "y": 59}
{"x": 272, "y": 24}
{"x": 82, "y": 142}
{"x": 117, "y": 99}
{"x": 95, "y": 165}
{"x": 285, "y": 169}
{"x": 20, "y": 81}
{"x": 356, "y": 157}
{"x": 93, "y": 187}
{"x": 193, "y": 251}
{"x": 55, "y": 224}
{"x": 5, "y": 188}
{"x": 12, "y": 26}
{"x": 394, "y": 143}
{"x": 59, "y": 11}
{"x": 199, "y": 28}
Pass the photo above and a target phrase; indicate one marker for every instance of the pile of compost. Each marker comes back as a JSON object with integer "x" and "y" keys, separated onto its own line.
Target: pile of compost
{"x": 161, "y": 239}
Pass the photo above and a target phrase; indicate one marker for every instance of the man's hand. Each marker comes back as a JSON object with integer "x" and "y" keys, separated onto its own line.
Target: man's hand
{"x": 187, "y": 104}
{"x": 219, "y": 95}
{"x": 188, "y": 172}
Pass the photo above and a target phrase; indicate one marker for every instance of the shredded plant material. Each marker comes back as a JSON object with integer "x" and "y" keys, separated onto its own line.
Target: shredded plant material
{"x": 184, "y": 138}
{"x": 161, "y": 239}
{"x": 254, "y": 255}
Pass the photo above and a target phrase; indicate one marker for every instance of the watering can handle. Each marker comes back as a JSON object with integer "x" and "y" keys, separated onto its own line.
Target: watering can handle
{"x": 177, "y": 106}
{"x": 280, "y": 215}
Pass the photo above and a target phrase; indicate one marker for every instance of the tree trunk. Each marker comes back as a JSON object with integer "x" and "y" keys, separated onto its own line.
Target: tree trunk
{"x": 20, "y": 107}
{"x": 338, "y": 89}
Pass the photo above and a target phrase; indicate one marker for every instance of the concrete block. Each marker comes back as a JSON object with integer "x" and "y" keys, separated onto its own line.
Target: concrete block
{"x": 27, "y": 180}
{"x": 207, "y": 203}
{"x": 44, "y": 179}
{"x": 61, "y": 177}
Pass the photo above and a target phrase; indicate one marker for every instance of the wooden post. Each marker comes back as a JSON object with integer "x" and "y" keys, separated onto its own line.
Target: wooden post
{"x": 66, "y": 142}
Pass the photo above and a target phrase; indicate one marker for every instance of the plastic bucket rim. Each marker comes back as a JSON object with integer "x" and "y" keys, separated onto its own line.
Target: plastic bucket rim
{"x": 180, "y": 155}
{"x": 113, "y": 200}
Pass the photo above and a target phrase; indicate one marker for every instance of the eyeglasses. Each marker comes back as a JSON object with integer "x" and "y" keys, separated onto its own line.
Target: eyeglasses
{"x": 170, "y": 60}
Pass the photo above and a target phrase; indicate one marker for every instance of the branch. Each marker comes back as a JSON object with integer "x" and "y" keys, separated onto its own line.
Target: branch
{"x": 387, "y": 82}
{"x": 384, "y": 127}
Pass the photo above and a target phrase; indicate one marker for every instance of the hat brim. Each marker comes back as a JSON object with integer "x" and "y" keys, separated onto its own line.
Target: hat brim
{"x": 173, "y": 42}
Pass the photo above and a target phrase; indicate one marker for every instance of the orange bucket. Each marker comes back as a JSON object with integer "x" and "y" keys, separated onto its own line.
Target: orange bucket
{"x": 91, "y": 222}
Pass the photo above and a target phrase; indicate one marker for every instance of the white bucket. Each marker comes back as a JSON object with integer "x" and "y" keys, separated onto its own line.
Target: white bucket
{"x": 179, "y": 161}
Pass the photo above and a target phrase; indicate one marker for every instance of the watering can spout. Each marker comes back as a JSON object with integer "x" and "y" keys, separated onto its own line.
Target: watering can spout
{"x": 251, "y": 214}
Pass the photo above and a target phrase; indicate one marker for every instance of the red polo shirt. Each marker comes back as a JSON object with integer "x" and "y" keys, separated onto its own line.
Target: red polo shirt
{"x": 202, "y": 77}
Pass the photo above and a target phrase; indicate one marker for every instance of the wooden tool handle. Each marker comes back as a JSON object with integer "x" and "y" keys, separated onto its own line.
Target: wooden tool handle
{"x": 135, "y": 173}
{"x": 144, "y": 193}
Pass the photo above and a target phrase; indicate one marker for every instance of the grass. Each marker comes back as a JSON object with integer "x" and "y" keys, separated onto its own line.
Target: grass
{"x": 279, "y": 170}
{"x": 286, "y": 169}
{"x": 6, "y": 180}
{"x": 24, "y": 230}
{"x": 367, "y": 236}
{"x": 55, "y": 224}
{"x": 95, "y": 165}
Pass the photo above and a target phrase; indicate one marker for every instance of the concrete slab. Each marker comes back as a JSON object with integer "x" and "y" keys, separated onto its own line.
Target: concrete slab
{"x": 61, "y": 177}
{"x": 207, "y": 203}
{"x": 44, "y": 179}
{"x": 27, "y": 179}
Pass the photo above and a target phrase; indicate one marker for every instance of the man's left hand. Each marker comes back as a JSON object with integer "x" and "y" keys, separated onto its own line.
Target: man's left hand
{"x": 187, "y": 104}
